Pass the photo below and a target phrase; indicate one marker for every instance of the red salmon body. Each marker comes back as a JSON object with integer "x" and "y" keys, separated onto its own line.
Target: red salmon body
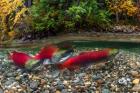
{"x": 19, "y": 58}
{"x": 24, "y": 60}
{"x": 46, "y": 52}
{"x": 86, "y": 58}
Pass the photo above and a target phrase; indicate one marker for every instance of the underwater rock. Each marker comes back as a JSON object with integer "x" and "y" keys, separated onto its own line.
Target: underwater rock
{"x": 136, "y": 81}
{"x": 100, "y": 81}
{"x": 88, "y": 83}
{"x": 136, "y": 88}
{"x": 64, "y": 91}
{"x": 96, "y": 77}
{"x": 122, "y": 81}
{"x": 59, "y": 91}
{"x": 81, "y": 74}
{"x": 9, "y": 83}
{"x": 53, "y": 74}
{"x": 106, "y": 90}
{"x": 46, "y": 91}
{"x": 65, "y": 82}
{"x": 34, "y": 84}
{"x": 18, "y": 78}
{"x": 42, "y": 81}
{"x": 134, "y": 73}
{"x": 60, "y": 87}
{"x": 76, "y": 80}
{"x": 138, "y": 64}
{"x": 1, "y": 91}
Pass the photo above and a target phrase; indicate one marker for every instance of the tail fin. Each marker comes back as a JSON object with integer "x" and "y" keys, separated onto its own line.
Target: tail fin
{"x": 46, "y": 52}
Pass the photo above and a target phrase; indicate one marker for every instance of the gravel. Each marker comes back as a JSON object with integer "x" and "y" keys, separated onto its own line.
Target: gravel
{"x": 120, "y": 75}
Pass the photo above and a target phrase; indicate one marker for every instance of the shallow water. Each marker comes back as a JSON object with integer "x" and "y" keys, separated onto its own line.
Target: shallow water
{"x": 117, "y": 76}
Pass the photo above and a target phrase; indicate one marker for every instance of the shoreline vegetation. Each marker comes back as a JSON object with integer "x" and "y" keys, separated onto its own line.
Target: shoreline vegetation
{"x": 37, "y": 19}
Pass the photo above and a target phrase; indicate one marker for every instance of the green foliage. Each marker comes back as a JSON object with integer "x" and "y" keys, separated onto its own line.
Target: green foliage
{"x": 44, "y": 15}
{"x": 95, "y": 15}
{"x": 76, "y": 12}
{"x": 52, "y": 14}
{"x": 75, "y": 15}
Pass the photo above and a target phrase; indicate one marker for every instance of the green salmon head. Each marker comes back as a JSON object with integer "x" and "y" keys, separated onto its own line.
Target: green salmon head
{"x": 113, "y": 52}
{"x": 30, "y": 63}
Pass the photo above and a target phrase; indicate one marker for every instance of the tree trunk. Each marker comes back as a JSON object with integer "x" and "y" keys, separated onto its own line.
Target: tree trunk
{"x": 6, "y": 28}
{"x": 78, "y": 2}
{"x": 117, "y": 17}
{"x": 138, "y": 15}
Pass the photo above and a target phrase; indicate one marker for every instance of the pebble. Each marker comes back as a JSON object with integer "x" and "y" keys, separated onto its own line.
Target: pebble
{"x": 138, "y": 64}
{"x": 64, "y": 91}
{"x": 1, "y": 91}
{"x": 65, "y": 82}
{"x": 14, "y": 88}
{"x": 97, "y": 91}
{"x": 60, "y": 87}
{"x": 9, "y": 84}
{"x": 20, "y": 90}
{"x": 9, "y": 74}
{"x": 34, "y": 84}
{"x": 136, "y": 88}
{"x": 36, "y": 78}
{"x": 18, "y": 78}
{"x": 134, "y": 73}
{"x": 136, "y": 81}
{"x": 43, "y": 81}
{"x": 122, "y": 81}
{"x": 11, "y": 91}
{"x": 88, "y": 83}
{"x": 96, "y": 77}
{"x": 46, "y": 91}
{"x": 76, "y": 80}
{"x": 57, "y": 91}
{"x": 106, "y": 91}
{"x": 82, "y": 74}
{"x": 133, "y": 65}
{"x": 100, "y": 81}
{"x": 113, "y": 87}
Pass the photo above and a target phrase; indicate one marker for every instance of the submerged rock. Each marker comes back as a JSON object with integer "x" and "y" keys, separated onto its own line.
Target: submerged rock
{"x": 134, "y": 73}
{"x": 106, "y": 90}
{"x": 136, "y": 88}
{"x": 122, "y": 81}
{"x": 34, "y": 84}
{"x": 1, "y": 91}
{"x": 136, "y": 81}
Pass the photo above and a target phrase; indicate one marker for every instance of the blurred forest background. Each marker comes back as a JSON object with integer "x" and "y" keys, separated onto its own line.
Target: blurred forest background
{"x": 37, "y": 19}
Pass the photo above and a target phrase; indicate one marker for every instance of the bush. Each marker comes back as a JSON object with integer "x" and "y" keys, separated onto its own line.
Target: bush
{"x": 67, "y": 14}
{"x": 12, "y": 13}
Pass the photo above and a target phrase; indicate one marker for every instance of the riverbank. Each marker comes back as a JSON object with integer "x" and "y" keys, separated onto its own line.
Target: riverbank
{"x": 94, "y": 36}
